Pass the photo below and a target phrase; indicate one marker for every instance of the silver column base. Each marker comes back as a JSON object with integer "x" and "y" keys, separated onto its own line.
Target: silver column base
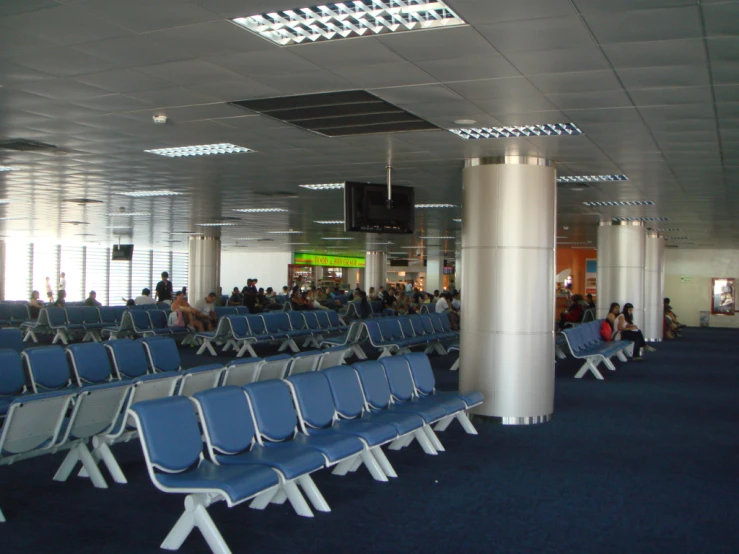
{"x": 653, "y": 340}
{"x": 529, "y": 420}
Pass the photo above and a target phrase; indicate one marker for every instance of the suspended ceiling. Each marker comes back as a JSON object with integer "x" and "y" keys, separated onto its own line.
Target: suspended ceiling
{"x": 653, "y": 84}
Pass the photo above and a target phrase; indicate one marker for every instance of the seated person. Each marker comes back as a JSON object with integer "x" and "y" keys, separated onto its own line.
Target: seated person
{"x": 91, "y": 300}
{"x": 629, "y": 331}
{"x": 442, "y": 304}
{"x": 60, "y": 299}
{"x": 236, "y": 298}
{"x": 672, "y": 325}
{"x": 300, "y": 301}
{"x": 205, "y": 310}
{"x": 574, "y": 313}
{"x": 589, "y": 301}
{"x": 181, "y": 305}
{"x": 145, "y": 298}
{"x": 35, "y": 304}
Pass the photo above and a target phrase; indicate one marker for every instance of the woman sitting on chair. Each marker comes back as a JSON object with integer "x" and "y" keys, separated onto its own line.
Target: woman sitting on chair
{"x": 629, "y": 331}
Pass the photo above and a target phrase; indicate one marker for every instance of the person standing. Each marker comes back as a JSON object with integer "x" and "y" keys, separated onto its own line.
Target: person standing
{"x": 164, "y": 289}
{"x": 408, "y": 289}
{"x": 49, "y": 291}
{"x": 63, "y": 281}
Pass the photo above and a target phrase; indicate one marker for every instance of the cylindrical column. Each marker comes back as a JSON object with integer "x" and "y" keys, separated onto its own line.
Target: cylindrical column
{"x": 2, "y": 270}
{"x": 653, "y": 287}
{"x": 434, "y": 269}
{"x": 508, "y": 247}
{"x": 621, "y": 255}
{"x": 458, "y": 266}
{"x": 204, "y": 271}
{"x": 374, "y": 270}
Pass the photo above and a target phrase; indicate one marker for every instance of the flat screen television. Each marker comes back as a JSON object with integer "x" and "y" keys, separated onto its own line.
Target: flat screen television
{"x": 366, "y": 209}
{"x": 121, "y": 253}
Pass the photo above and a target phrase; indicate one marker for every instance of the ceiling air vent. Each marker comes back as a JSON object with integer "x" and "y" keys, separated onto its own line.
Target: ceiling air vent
{"x": 24, "y": 145}
{"x": 338, "y": 114}
{"x": 83, "y": 201}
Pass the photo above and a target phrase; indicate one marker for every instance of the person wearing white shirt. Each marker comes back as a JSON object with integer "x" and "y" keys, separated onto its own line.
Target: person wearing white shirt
{"x": 63, "y": 281}
{"x": 442, "y": 305}
{"x": 144, "y": 299}
{"x": 205, "y": 309}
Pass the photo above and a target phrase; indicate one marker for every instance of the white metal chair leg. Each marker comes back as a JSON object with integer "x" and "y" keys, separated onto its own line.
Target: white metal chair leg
{"x": 455, "y": 365}
{"x": 464, "y": 420}
{"x": 356, "y": 465}
{"x": 343, "y": 467}
{"x": 357, "y": 351}
{"x": 261, "y": 501}
{"x": 313, "y": 494}
{"x": 398, "y": 443}
{"x": 294, "y": 347}
{"x": 105, "y": 454}
{"x": 246, "y": 347}
{"x": 443, "y": 423}
{"x": 385, "y": 352}
{"x": 424, "y": 441}
{"x": 296, "y": 499}
{"x": 230, "y": 343}
{"x": 436, "y": 443}
{"x": 589, "y": 366}
{"x": 385, "y": 465}
{"x": 196, "y": 515}
{"x": 80, "y": 453}
{"x": 621, "y": 356}
{"x": 2, "y": 517}
{"x": 559, "y": 353}
{"x": 30, "y": 334}
{"x": 373, "y": 467}
{"x": 609, "y": 364}
{"x": 280, "y": 497}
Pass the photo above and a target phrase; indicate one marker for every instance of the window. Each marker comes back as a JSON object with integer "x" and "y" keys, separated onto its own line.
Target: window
{"x": 18, "y": 272}
{"x": 96, "y": 272}
{"x": 70, "y": 262}
{"x": 141, "y": 274}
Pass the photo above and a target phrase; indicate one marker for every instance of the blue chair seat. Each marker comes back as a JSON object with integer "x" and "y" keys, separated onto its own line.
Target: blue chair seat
{"x": 403, "y": 422}
{"x": 175, "y": 329}
{"x": 471, "y": 398}
{"x": 5, "y": 404}
{"x": 74, "y": 326}
{"x": 238, "y": 482}
{"x": 94, "y": 325}
{"x": 429, "y": 412}
{"x": 372, "y": 432}
{"x": 334, "y": 447}
{"x": 160, "y": 332}
{"x": 452, "y": 404}
{"x": 289, "y": 458}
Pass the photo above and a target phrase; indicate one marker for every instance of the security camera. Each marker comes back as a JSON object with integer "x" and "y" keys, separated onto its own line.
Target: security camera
{"x": 159, "y": 119}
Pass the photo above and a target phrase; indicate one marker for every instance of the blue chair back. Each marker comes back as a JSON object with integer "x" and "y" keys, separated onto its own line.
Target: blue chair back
{"x": 226, "y": 419}
{"x": 398, "y": 377}
{"x": 19, "y": 312}
{"x": 129, "y": 357}
{"x": 90, "y": 363}
{"x": 374, "y": 383}
{"x": 313, "y": 397}
{"x": 275, "y": 367}
{"x": 169, "y": 433}
{"x": 346, "y": 390}
{"x": 109, "y": 314}
{"x": 12, "y": 339}
{"x": 446, "y": 325}
{"x": 239, "y": 326}
{"x": 428, "y": 325}
{"x": 417, "y": 324}
{"x": 390, "y": 329}
{"x": 57, "y": 316}
{"x": 297, "y": 322}
{"x": 406, "y": 327}
{"x": 273, "y": 409}
{"x": 48, "y": 367}
{"x": 277, "y": 322}
{"x": 12, "y": 378}
{"x": 242, "y": 310}
{"x": 323, "y": 319}
{"x": 423, "y": 375}
{"x": 75, "y": 316}
{"x": 163, "y": 353}
{"x": 256, "y": 325}
{"x": 158, "y": 319}
{"x": 373, "y": 330}
{"x": 333, "y": 318}
{"x": 5, "y": 313}
{"x": 225, "y": 310}
{"x": 140, "y": 320}
{"x": 436, "y": 322}
{"x": 311, "y": 321}
{"x": 90, "y": 314}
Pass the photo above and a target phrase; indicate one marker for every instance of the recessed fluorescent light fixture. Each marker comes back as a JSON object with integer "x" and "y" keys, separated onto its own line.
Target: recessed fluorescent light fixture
{"x": 4, "y": 201}
{"x": 330, "y": 222}
{"x": 215, "y": 224}
{"x": 324, "y": 186}
{"x": 186, "y": 234}
{"x": 672, "y": 230}
{"x": 258, "y": 239}
{"x": 11, "y": 218}
{"x": 285, "y": 232}
{"x": 260, "y": 210}
{"x": 436, "y": 238}
{"x": 128, "y": 214}
{"x": 200, "y": 150}
{"x": 549, "y": 129}
{"x": 641, "y": 219}
{"x": 457, "y": 220}
{"x": 337, "y": 238}
{"x": 360, "y": 18}
{"x": 590, "y": 178}
{"x": 412, "y": 247}
{"x": 6, "y": 168}
{"x": 118, "y": 227}
{"x": 619, "y": 203}
{"x": 379, "y": 243}
{"x": 574, "y": 243}
{"x": 561, "y": 238}
{"x": 422, "y": 206}
{"x": 296, "y": 243}
{"x": 677, "y": 238}
{"x": 148, "y": 193}
{"x": 465, "y": 121}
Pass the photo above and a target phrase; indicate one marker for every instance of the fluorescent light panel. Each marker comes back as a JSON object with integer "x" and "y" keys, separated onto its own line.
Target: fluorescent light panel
{"x": 324, "y": 186}
{"x": 574, "y": 243}
{"x": 673, "y": 230}
{"x": 4, "y": 201}
{"x": 590, "y": 178}
{"x": 457, "y": 220}
{"x": 215, "y": 224}
{"x": 548, "y": 129}
{"x": 200, "y": 150}
{"x": 349, "y": 19}
{"x": 641, "y": 219}
{"x": 284, "y": 232}
{"x": 6, "y": 168}
{"x": 148, "y": 193}
{"x": 260, "y": 210}
{"x": 422, "y": 206}
{"x": 337, "y": 238}
{"x": 330, "y": 222}
{"x": 118, "y": 227}
{"x": 128, "y": 214}
{"x": 621, "y": 203}
{"x": 437, "y": 238}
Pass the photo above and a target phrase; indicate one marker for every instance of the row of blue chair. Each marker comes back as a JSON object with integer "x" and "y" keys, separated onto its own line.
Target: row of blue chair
{"x": 242, "y": 332}
{"x": 393, "y": 335}
{"x": 267, "y": 438}
{"x": 66, "y": 323}
{"x": 586, "y": 343}
{"x": 13, "y": 313}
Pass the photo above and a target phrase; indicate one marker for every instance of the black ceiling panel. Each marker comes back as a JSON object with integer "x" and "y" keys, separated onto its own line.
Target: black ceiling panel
{"x": 335, "y": 114}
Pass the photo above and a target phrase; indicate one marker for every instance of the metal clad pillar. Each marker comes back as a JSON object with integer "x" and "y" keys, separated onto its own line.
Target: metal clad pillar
{"x": 621, "y": 258}
{"x": 508, "y": 247}
{"x": 374, "y": 271}
{"x": 204, "y": 272}
{"x": 654, "y": 287}
{"x": 434, "y": 269}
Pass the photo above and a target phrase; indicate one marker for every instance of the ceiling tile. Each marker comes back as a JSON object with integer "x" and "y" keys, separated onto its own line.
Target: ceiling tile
{"x": 176, "y": 96}
{"x": 646, "y": 25}
{"x": 469, "y": 68}
{"x": 143, "y": 15}
{"x": 494, "y": 88}
{"x": 568, "y": 60}
{"x": 303, "y": 83}
{"x": 725, "y": 73}
{"x": 113, "y": 103}
{"x": 347, "y": 53}
{"x": 13, "y": 7}
{"x": 416, "y": 94}
{"x": 586, "y": 81}
{"x": 385, "y": 75}
{"x": 58, "y": 61}
{"x": 437, "y": 44}
{"x": 187, "y": 72}
{"x": 656, "y": 53}
{"x": 726, "y": 93}
{"x": 132, "y": 52}
{"x": 236, "y": 89}
{"x": 210, "y": 39}
{"x": 724, "y": 49}
{"x": 721, "y": 19}
{"x": 672, "y": 95}
{"x": 588, "y": 6}
{"x": 656, "y": 77}
{"x": 516, "y": 104}
{"x": 484, "y": 11}
{"x": 238, "y": 8}
{"x": 62, "y": 89}
{"x": 277, "y": 63}
{"x": 124, "y": 80}
{"x": 590, "y": 100}
{"x": 533, "y": 35}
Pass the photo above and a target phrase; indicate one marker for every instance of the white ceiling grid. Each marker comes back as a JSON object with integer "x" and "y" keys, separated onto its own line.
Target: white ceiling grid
{"x": 653, "y": 84}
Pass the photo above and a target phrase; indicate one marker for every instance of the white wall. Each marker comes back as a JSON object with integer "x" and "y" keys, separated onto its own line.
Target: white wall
{"x": 688, "y": 275}
{"x": 269, "y": 267}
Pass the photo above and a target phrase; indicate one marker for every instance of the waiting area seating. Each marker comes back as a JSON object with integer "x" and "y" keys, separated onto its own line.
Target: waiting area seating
{"x": 398, "y": 335}
{"x": 585, "y": 343}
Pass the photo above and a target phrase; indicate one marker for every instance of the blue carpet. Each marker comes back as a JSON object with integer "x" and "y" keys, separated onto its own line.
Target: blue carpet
{"x": 643, "y": 462}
